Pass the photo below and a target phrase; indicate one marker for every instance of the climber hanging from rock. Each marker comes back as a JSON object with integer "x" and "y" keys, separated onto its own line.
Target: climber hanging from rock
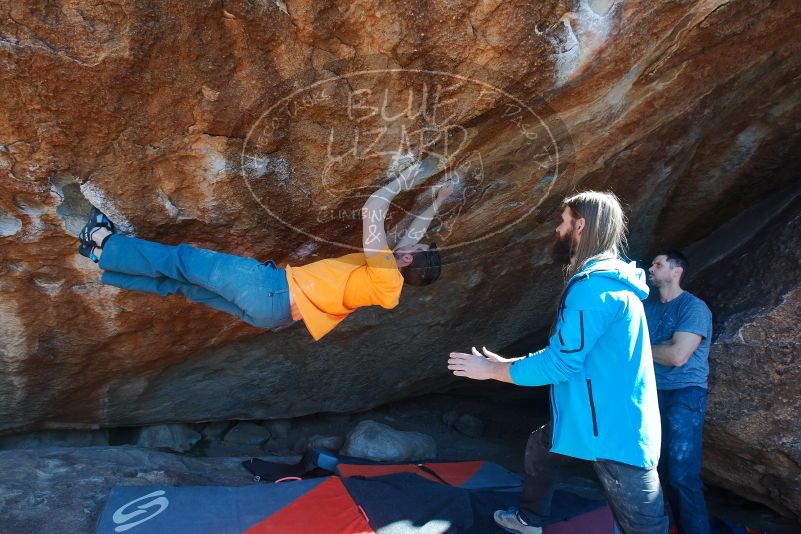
{"x": 322, "y": 293}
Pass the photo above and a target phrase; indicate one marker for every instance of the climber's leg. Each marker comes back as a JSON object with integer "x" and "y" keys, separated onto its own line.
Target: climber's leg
{"x": 167, "y": 286}
{"x": 260, "y": 290}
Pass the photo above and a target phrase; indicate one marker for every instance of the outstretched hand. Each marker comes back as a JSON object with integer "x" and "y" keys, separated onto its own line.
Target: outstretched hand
{"x": 475, "y": 366}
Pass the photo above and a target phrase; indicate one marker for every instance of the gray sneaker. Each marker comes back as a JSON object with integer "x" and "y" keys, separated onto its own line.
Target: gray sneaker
{"x": 510, "y": 521}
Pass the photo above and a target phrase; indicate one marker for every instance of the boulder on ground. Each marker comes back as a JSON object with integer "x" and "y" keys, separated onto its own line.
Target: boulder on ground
{"x": 174, "y": 437}
{"x": 449, "y": 418}
{"x": 470, "y": 425}
{"x": 375, "y": 441}
{"x": 279, "y": 428}
{"x": 328, "y": 443}
{"x": 216, "y": 430}
{"x": 247, "y": 434}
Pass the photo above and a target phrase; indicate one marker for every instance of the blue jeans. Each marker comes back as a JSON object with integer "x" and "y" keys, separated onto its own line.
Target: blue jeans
{"x": 683, "y": 413}
{"x": 634, "y": 494}
{"x": 255, "y": 292}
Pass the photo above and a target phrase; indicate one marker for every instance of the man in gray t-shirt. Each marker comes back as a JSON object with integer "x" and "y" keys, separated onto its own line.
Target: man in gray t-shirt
{"x": 680, "y": 327}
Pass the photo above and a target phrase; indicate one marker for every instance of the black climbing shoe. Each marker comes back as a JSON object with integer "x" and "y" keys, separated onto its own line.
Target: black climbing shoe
{"x": 97, "y": 219}
{"x": 88, "y": 251}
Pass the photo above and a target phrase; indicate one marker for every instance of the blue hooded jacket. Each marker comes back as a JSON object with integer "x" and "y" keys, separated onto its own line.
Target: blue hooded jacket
{"x": 598, "y": 360}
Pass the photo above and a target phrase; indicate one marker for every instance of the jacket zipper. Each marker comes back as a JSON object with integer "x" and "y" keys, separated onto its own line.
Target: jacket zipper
{"x": 554, "y": 415}
{"x": 592, "y": 409}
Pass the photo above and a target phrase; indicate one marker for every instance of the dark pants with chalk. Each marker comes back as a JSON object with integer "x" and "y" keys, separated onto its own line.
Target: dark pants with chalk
{"x": 682, "y": 412}
{"x": 634, "y": 493}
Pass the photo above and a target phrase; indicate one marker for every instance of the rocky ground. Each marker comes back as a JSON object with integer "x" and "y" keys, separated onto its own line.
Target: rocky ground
{"x": 489, "y": 421}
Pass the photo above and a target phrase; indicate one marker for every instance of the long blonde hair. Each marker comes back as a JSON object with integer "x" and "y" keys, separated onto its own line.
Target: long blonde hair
{"x": 604, "y": 234}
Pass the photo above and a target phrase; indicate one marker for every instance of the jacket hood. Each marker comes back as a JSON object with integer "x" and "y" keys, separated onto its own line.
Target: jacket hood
{"x": 616, "y": 269}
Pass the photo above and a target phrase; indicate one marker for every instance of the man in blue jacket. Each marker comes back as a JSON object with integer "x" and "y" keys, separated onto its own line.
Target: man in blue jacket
{"x": 598, "y": 362}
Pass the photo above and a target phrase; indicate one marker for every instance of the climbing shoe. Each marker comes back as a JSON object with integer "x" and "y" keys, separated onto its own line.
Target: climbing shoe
{"x": 88, "y": 251}
{"x": 97, "y": 219}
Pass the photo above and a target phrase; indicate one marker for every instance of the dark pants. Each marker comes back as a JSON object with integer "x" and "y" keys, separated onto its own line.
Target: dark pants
{"x": 634, "y": 494}
{"x": 682, "y": 413}
{"x": 253, "y": 291}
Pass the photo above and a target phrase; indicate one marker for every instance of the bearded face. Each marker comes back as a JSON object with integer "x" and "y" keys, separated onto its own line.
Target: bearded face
{"x": 661, "y": 272}
{"x": 563, "y": 247}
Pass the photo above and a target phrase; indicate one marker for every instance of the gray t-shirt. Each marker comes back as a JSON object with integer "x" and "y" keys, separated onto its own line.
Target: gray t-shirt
{"x": 685, "y": 313}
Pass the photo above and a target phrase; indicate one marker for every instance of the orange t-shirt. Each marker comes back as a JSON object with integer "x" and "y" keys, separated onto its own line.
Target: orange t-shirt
{"x": 327, "y": 291}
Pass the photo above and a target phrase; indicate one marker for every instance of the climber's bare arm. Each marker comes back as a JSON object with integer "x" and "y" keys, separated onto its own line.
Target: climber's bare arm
{"x": 374, "y": 212}
{"x": 417, "y": 229}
